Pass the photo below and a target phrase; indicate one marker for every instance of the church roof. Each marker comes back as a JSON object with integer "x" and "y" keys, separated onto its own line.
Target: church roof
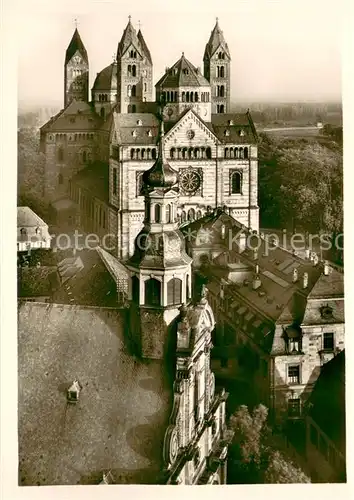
{"x": 182, "y": 74}
{"x": 122, "y": 400}
{"x": 144, "y": 46}
{"x": 231, "y": 128}
{"x": 216, "y": 39}
{"x": 95, "y": 180}
{"x": 129, "y": 37}
{"x": 74, "y": 45}
{"x": 107, "y": 78}
{"x": 76, "y": 117}
{"x": 136, "y": 128}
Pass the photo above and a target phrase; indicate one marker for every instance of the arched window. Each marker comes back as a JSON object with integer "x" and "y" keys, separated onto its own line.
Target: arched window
{"x": 135, "y": 289}
{"x": 222, "y": 71}
{"x": 187, "y": 96}
{"x": 245, "y": 153}
{"x": 153, "y": 153}
{"x": 168, "y": 213}
{"x": 102, "y": 113}
{"x": 196, "y": 153}
{"x": 236, "y": 153}
{"x": 133, "y": 108}
{"x": 148, "y": 152}
{"x": 183, "y": 216}
{"x": 129, "y": 69}
{"x": 145, "y": 87}
{"x": 191, "y": 214}
{"x": 133, "y": 70}
{"x": 190, "y": 153}
{"x": 143, "y": 154}
{"x": 183, "y": 97}
{"x": 174, "y": 291}
{"x": 157, "y": 213}
{"x": 196, "y": 97}
{"x": 222, "y": 90}
{"x": 241, "y": 152}
{"x": 236, "y": 182}
{"x": 60, "y": 154}
{"x": 172, "y": 153}
{"x": 226, "y": 153}
{"x": 132, "y": 154}
{"x": 208, "y": 153}
{"x": 60, "y": 179}
{"x": 152, "y": 292}
{"x": 129, "y": 90}
{"x": 133, "y": 90}
{"x": 192, "y": 96}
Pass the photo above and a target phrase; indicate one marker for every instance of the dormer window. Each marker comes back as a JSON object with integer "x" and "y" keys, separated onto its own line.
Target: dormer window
{"x": 227, "y": 133}
{"x": 185, "y": 71}
{"x": 139, "y": 123}
{"x": 74, "y": 392}
{"x": 326, "y": 312}
{"x": 293, "y": 339}
{"x": 134, "y": 133}
{"x": 149, "y": 133}
{"x": 242, "y": 133}
{"x": 231, "y": 122}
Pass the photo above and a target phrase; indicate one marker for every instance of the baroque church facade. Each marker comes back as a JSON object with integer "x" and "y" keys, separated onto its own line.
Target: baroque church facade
{"x": 97, "y": 151}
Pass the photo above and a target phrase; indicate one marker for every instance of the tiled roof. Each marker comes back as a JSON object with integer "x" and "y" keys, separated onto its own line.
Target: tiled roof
{"x": 129, "y": 37}
{"x": 330, "y": 286}
{"x": 74, "y": 45}
{"x": 94, "y": 179}
{"x": 234, "y": 128}
{"x": 327, "y": 400}
{"x": 136, "y": 128}
{"x": 107, "y": 78}
{"x": 120, "y": 419}
{"x": 182, "y": 74}
{"x": 216, "y": 39}
{"x": 144, "y": 46}
{"x": 77, "y": 116}
{"x": 27, "y": 218}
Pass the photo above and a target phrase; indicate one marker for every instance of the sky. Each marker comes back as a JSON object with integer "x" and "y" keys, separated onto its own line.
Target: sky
{"x": 282, "y": 50}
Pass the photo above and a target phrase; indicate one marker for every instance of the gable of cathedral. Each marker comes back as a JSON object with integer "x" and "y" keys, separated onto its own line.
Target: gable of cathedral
{"x": 190, "y": 127}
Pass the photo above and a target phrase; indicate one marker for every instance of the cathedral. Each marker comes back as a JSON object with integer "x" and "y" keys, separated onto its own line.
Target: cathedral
{"x": 98, "y": 150}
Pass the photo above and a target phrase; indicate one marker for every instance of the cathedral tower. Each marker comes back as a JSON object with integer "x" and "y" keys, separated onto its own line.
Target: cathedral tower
{"x": 134, "y": 71}
{"x": 217, "y": 66}
{"x": 160, "y": 268}
{"x": 76, "y": 71}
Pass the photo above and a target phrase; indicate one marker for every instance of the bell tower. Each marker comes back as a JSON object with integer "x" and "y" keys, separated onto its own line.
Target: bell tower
{"x": 160, "y": 269}
{"x": 217, "y": 66}
{"x": 134, "y": 71}
{"x": 76, "y": 71}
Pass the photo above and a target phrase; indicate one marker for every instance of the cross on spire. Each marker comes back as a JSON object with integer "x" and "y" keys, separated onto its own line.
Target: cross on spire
{"x": 114, "y": 57}
{"x": 217, "y": 20}
{"x": 130, "y": 18}
{"x": 139, "y": 24}
{"x": 76, "y": 22}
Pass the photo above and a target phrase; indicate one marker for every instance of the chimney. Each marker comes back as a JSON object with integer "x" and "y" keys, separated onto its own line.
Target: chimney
{"x": 307, "y": 253}
{"x": 256, "y": 283}
{"x": 326, "y": 268}
{"x": 305, "y": 280}
{"x": 315, "y": 259}
{"x": 295, "y": 275}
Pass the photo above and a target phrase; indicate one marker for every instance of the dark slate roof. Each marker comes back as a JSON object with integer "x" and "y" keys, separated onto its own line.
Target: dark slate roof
{"x": 76, "y": 117}
{"x": 124, "y": 405}
{"x": 129, "y": 130}
{"x": 107, "y": 78}
{"x": 216, "y": 39}
{"x": 129, "y": 37}
{"x": 327, "y": 401}
{"x": 95, "y": 180}
{"x": 75, "y": 44}
{"x": 144, "y": 46}
{"x": 182, "y": 74}
{"x": 232, "y": 124}
{"x": 37, "y": 281}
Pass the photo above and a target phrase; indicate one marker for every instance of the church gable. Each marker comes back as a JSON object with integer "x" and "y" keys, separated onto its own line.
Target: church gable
{"x": 190, "y": 131}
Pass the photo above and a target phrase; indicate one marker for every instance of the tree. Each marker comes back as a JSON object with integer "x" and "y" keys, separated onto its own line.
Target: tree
{"x": 252, "y": 455}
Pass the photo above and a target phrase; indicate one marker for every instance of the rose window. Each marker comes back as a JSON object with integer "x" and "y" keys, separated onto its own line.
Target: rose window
{"x": 190, "y": 181}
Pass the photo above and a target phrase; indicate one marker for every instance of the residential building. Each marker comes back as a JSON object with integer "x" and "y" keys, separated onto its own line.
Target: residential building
{"x": 32, "y": 231}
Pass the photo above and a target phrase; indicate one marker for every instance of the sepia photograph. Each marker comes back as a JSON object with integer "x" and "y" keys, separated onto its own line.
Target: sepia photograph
{"x": 180, "y": 269}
